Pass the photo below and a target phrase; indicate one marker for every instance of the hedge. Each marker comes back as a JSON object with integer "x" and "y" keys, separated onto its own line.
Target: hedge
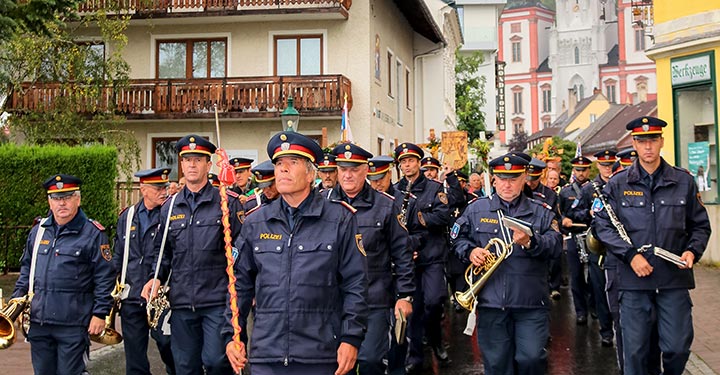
{"x": 22, "y": 197}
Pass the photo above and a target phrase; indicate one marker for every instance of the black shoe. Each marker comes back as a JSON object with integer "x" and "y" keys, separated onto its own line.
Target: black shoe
{"x": 412, "y": 368}
{"x": 581, "y": 320}
{"x": 606, "y": 342}
{"x": 441, "y": 355}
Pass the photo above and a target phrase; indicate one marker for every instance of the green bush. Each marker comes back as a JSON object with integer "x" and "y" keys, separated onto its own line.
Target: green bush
{"x": 22, "y": 197}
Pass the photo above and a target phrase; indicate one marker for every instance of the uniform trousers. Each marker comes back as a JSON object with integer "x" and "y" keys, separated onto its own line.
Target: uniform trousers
{"x": 293, "y": 369}
{"x": 430, "y": 293}
{"x": 512, "y": 340}
{"x": 578, "y": 283}
{"x": 597, "y": 283}
{"x": 135, "y": 331}
{"x": 671, "y": 310}
{"x": 375, "y": 346}
{"x": 197, "y": 342}
{"x": 58, "y": 350}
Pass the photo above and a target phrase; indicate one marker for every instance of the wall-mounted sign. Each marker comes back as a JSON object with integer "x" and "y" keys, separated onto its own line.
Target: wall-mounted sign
{"x": 694, "y": 69}
{"x": 500, "y": 95}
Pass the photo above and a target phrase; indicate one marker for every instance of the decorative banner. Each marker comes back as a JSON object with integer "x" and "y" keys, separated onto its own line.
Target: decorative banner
{"x": 454, "y": 146}
{"x": 699, "y": 162}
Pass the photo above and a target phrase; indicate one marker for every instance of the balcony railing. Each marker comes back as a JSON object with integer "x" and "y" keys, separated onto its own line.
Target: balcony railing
{"x": 244, "y": 97}
{"x": 171, "y": 6}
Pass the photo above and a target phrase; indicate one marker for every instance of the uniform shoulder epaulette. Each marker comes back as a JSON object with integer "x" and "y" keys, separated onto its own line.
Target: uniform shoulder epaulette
{"x": 97, "y": 224}
{"x": 168, "y": 199}
{"x": 387, "y": 195}
{"x": 541, "y": 203}
{"x": 346, "y": 205}
{"x": 436, "y": 182}
{"x": 232, "y": 193}
{"x": 247, "y": 213}
{"x": 123, "y": 210}
{"x": 473, "y": 200}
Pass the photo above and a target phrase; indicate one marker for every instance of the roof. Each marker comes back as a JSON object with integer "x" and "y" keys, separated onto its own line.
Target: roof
{"x": 579, "y": 107}
{"x": 548, "y": 132}
{"x": 544, "y": 66}
{"x": 613, "y": 56}
{"x": 612, "y": 129}
{"x": 420, "y": 19}
{"x": 519, "y": 4}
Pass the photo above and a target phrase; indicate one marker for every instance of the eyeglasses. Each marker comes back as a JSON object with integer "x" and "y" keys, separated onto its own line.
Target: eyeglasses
{"x": 64, "y": 198}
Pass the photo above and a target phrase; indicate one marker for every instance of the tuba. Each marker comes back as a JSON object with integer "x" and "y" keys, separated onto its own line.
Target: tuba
{"x": 110, "y": 336}
{"x": 466, "y": 299}
{"x": 8, "y": 315}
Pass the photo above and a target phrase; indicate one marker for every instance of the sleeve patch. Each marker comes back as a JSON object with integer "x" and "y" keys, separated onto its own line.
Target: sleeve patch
{"x": 455, "y": 231}
{"x": 442, "y": 197}
{"x": 105, "y": 252}
{"x": 241, "y": 216}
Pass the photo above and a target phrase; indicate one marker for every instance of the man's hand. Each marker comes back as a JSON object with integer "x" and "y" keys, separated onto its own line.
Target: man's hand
{"x": 566, "y": 222}
{"x": 148, "y": 288}
{"x": 346, "y": 356}
{"x": 236, "y": 355}
{"x": 242, "y": 198}
{"x": 97, "y": 326}
{"x": 689, "y": 258}
{"x": 520, "y": 238}
{"x": 403, "y": 307}
{"x": 641, "y": 266}
{"x": 477, "y": 256}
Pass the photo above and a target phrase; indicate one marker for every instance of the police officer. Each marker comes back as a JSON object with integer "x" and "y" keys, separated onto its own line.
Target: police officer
{"x": 380, "y": 175}
{"x": 72, "y": 281}
{"x": 241, "y": 166}
{"x": 576, "y": 264}
{"x": 195, "y": 252}
{"x": 583, "y": 213}
{"x": 513, "y": 307}
{"x": 390, "y": 265}
{"x": 265, "y": 191}
{"x": 627, "y": 157}
{"x": 660, "y": 207}
{"x": 145, "y": 221}
{"x": 302, "y": 260}
{"x": 214, "y": 180}
{"x": 327, "y": 171}
{"x": 431, "y": 168}
{"x": 428, "y": 240}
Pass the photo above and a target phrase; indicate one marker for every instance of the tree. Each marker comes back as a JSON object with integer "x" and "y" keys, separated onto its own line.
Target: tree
{"x": 86, "y": 75}
{"x": 469, "y": 94}
{"x": 33, "y": 16}
{"x": 518, "y": 142}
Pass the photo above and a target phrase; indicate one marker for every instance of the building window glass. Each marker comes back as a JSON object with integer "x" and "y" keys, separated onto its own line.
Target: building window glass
{"x": 697, "y": 137}
{"x": 577, "y": 55}
{"x": 391, "y": 67}
{"x": 298, "y": 55}
{"x": 639, "y": 40}
{"x": 195, "y": 58}
{"x": 547, "y": 100}
{"x": 610, "y": 93}
{"x": 517, "y": 102}
{"x": 407, "y": 88}
{"x": 518, "y": 127}
{"x": 516, "y": 54}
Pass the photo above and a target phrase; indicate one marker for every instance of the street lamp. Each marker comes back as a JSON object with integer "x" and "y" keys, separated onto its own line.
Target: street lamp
{"x": 290, "y": 117}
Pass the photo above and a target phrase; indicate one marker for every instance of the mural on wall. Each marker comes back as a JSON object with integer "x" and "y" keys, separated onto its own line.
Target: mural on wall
{"x": 377, "y": 57}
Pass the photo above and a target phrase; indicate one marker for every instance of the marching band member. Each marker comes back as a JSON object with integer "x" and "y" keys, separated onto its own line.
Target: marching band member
{"x": 145, "y": 220}
{"x": 70, "y": 282}
{"x": 265, "y": 178}
{"x": 513, "y": 307}
{"x": 659, "y": 207}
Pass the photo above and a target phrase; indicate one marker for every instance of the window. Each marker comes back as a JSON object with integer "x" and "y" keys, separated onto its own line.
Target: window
{"x": 639, "y": 40}
{"x": 516, "y": 55}
{"x": 194, "y": 58}
{"x": 518, "y": 126}
{"x": 398, "y": 90}
{"x": 298, "y": 55}
{"x": 407, "y": 88}
{"x": 577, "y": 55}
{"x": 379, "y": 146}
{"x": 517, "y": 102}
{"x": 515, "y": 27}
{"x": 547, "y": 100}
{"x": 610, "y": 93}
{"x": 391, "y": 67}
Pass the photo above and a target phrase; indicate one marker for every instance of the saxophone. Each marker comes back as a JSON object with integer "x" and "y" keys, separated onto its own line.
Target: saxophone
{"x": 402, "y": 216}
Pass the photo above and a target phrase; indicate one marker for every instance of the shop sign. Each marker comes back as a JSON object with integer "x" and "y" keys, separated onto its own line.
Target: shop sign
{"x": 695, "y": 69}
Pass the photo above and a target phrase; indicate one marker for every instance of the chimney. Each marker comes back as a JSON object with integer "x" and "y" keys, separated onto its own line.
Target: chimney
{"x": 572, "y": 101}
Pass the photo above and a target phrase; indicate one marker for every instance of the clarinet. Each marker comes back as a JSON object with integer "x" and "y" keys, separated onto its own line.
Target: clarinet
{"x": 402, "y": 216}
{"x": 611, "y": 214}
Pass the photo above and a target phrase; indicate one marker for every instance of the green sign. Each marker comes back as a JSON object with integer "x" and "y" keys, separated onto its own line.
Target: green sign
{"x": 690, "y": 70}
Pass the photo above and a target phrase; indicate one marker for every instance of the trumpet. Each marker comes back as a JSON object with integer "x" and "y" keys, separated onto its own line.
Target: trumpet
{"x": 109, "y": 335}
{"x": 8, "y": 315}
{"x": 466, "y": 299}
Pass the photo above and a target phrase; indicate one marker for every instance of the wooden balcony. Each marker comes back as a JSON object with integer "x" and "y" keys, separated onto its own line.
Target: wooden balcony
{"x": 180, "y": 8}
{"x": 244, "y": 97}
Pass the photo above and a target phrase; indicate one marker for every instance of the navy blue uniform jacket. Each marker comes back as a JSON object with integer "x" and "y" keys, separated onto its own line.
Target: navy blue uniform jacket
{"x": 309, "y": 284}
{"x": 670, "y": 216}
{"x": 73, "y": 273}
{"x": 521, "y": 280}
